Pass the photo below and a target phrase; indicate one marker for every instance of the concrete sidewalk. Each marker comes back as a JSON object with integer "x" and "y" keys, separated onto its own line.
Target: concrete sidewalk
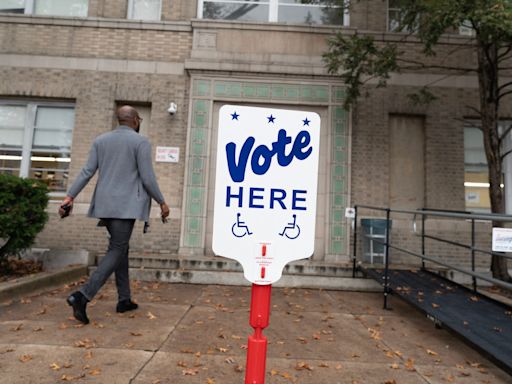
{"x": 198, "y": 334}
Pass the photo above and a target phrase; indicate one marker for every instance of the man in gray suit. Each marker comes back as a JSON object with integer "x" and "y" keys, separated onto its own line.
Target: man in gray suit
{"x": 126, "y": 184}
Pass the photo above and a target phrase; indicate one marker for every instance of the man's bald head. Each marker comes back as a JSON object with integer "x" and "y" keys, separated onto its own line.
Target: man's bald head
{"x": 127, "y": 115}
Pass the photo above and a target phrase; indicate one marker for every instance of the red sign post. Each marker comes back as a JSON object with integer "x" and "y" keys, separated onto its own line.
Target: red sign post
{"x": 257, "y": 345}
{"x": 266, "y": 183}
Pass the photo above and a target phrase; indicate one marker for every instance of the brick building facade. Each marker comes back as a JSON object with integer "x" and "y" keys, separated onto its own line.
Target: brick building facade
{"x": 104, "y": 59}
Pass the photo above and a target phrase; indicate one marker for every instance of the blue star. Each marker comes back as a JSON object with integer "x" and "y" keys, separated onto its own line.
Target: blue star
{"x": 271, "y": 119}
{"x": 306, "y": 121}
{"x": 234, "y": 116}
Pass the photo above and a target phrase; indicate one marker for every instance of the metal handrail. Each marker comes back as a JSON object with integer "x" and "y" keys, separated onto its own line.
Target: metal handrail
{"x": 426, "y": 212}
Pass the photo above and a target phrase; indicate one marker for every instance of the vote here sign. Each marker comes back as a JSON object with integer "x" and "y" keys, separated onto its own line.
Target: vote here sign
{"x": 265, "y": 188}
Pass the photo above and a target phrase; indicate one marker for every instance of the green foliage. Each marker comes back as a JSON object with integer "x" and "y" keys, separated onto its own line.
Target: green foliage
{"x": 358, "y": 59}
{"x": 22, "y": 213}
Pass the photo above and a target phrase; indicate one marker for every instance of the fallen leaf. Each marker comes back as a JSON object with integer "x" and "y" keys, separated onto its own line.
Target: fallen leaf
{"x": 434, "y": 305}
{"x": 303, "y": 365}
{"x": 182, "y": 364}
{"x": 37, "y": 329}
{"x": 17, "y": 328}
{"x": 88, "y": 355}
{"x": 25, "y": 358}
{"x": 474, "y": 298}
{"x": 42, "y": 311}
{"x": 390, "y": 382}
{"x": 55, "y": 366}
{"x": 151, "y": 316}
{"x": 135, "y": 333}
{"x": 85, "y": 343}
{"x": 432, "y": 353}
{"x": 95, "y": 372}
{"x": 394, "y": 366}
{"x": 190, "y": 372}
{"x": 323, "y": 365}
{"x": 210, "y": 381}
{"x": 409, "y": 364}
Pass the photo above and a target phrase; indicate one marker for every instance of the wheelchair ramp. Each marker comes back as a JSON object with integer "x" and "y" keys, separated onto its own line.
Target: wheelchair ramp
{"x": 483, "y": 323}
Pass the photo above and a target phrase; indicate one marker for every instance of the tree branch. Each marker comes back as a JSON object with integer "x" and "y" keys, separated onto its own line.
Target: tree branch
{"x": 504, "y": 94}
{"x": 505, "y": 85}
{"x": 505, "y": 154}
{"x": 421, "y": 65}
{"x": 477, "y": 111}
{"x": 505, "y": 133}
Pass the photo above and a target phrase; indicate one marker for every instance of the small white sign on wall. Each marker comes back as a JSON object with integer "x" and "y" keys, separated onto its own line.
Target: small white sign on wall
{"x": 167, "y": 154}
{"x": 502, "y": 239}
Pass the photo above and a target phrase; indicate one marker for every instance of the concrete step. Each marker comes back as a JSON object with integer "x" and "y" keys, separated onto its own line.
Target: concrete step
{"x": 175, "y": 268}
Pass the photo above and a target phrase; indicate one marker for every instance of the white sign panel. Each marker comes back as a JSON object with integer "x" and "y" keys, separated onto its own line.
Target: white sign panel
{"x": 265, "y": 188}
{"x": 167, "y": 154}
{"x": 502, "y": 239}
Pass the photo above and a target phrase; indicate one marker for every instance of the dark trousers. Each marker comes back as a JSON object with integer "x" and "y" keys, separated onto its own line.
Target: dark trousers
{"x": 116, "y": 260}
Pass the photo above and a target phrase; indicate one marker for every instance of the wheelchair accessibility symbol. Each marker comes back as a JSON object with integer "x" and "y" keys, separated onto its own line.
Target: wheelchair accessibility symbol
{"x": 240, "y": 229}
{"x": 292, "y": 230}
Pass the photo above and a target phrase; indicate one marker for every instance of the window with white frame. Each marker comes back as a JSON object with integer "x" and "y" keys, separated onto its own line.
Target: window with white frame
{"x": 144, "y": 9}
{"x": 35, "y": 141}
{"x": 476, "y": 173}
{"x": 70, "y": 8}
{"x": 282, "y": 11}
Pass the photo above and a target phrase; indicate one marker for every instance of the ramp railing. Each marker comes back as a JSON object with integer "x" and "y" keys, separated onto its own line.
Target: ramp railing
{"x": 423, "y": 215}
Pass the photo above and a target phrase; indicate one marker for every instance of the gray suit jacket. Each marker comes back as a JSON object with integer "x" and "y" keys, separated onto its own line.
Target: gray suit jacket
{"x": 126, "y": 180}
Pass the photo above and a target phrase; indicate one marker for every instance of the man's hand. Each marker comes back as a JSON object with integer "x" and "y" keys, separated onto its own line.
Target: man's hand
{"x": 66, "y": 207}
{"x": 164, "y": 208}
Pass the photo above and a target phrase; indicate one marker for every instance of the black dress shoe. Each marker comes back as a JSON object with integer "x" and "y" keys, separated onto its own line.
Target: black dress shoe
{"x": 78, "y": 301}
{"x": 126, "y": 305}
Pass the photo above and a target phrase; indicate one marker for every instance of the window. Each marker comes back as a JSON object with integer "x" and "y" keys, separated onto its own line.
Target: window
{"x": 476, "y": 174}
{"x": 476, "y": 181}
{"x": 12, "y": 6}
{"x": 396, "y": 17}
{"x": 35, "y": 141}
{"x": 282, "y": 11}
{"x": 70, "y": 8}
{"x": 144, "y": 9}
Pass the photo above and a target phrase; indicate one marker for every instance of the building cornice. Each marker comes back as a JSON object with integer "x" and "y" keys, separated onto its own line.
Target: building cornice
{"x": 95, "y": 22}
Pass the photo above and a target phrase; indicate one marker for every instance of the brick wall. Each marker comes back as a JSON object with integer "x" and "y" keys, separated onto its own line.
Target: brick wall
{"x": 95, "y": 94}
{"x": 113, "y": 43}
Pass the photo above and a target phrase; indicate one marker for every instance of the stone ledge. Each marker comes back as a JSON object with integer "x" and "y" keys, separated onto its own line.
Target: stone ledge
{"x": 44, "y": 280}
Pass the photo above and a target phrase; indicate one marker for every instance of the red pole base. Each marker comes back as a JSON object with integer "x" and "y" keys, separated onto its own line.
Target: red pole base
{"x": 257, "y": 343}
{"x": 256, "y": 360}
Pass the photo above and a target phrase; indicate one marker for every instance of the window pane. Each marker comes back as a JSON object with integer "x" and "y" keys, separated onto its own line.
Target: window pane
{"x": 76, "y": 8}
{"x": 10, "y": 162}
{"x": 242, "y": 10}
{"x": 12, "y": 6}
{"x": 52, "y": 169}
{"x": 309, "y": 14}
{"x": 12, "y": 125}
{"x": 146, "y": 9}
{"x": 52, "y": 146}
{"x": 475, "y": 171}
{"x": 54, "y": 128}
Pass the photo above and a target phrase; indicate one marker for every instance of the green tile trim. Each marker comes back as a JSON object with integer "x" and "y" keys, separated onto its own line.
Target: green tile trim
{"x": 339, "y": 182}
{"x": 271, "y": 91}
{"x": 201, "y": 88}
{"x": 205, "y": 91}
